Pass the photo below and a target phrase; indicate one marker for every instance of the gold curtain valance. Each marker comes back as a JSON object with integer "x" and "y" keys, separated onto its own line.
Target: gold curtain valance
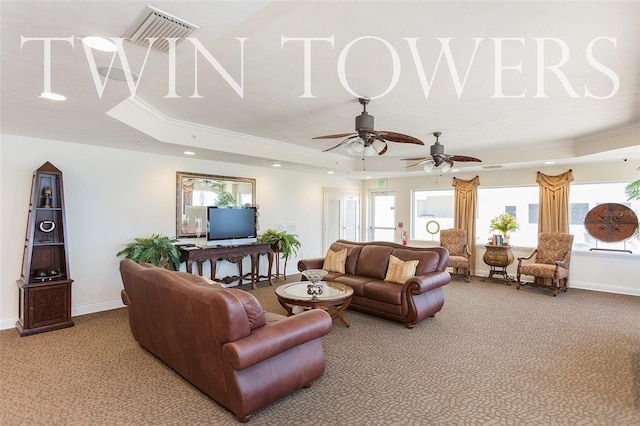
{"x": 553, "y": 213}
{"x": 466, "y": 185}
{"x": 554, "y": 183}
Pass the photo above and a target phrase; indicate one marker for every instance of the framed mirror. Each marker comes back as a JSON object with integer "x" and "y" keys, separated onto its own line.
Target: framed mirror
{"x": 196, "y": 191}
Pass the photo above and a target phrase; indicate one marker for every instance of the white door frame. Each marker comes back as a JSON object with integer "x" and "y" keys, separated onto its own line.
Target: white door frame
{"x": 371, "y": 228}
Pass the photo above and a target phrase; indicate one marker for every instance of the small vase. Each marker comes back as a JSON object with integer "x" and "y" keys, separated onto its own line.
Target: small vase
{"x": 506, "y": 235}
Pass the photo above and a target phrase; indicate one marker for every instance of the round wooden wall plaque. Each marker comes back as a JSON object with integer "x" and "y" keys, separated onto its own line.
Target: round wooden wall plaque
{"x": 611, "y": 222}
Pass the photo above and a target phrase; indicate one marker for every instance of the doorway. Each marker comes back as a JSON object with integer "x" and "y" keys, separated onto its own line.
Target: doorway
{"x": 383, "y": 216}
{"x": 341, "y": 216}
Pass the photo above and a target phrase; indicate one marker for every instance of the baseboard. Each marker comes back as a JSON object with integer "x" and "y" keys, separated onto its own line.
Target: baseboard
{"x": 604, "y": 288}
{"x": 583, "y": 285}
{"x": 77, "y": 311}
{"x": 96, "y": 307}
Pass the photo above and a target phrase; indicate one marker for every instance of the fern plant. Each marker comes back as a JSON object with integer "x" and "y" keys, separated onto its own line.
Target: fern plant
{"x": 282, "y": 241}
{"x": 633, "y": 189}
{"x": 156, "y": 249}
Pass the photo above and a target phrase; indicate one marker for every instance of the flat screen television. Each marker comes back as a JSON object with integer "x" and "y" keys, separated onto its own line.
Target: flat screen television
{"x": 231, "y": 225}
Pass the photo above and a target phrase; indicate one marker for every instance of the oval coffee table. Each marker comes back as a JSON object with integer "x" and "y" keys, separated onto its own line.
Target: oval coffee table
{"x": 334, "y": 295}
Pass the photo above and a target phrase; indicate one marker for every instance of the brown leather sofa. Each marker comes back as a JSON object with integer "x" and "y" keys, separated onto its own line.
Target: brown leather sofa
{"x": 365, "y": 271}
{"x": 220, "y": 339}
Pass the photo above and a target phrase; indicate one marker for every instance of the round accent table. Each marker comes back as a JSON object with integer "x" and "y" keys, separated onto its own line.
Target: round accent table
{"x": 498, "y": 258}
{"x": 334, "y": 295}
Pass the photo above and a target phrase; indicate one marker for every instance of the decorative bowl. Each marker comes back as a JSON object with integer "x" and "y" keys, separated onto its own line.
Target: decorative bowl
{"x": 314, "y": 275}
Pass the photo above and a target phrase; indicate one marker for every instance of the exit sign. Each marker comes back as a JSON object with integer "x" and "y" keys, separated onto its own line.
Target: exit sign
{"x": 382, "y": 183}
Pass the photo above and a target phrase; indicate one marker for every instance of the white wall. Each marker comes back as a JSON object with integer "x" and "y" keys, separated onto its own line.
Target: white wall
{"x": 113, "y": 196}
{"x": 601, "y": 271}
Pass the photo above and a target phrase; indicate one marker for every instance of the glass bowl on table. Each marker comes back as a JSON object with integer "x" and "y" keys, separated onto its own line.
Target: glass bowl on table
{"x": 315, "y": 276}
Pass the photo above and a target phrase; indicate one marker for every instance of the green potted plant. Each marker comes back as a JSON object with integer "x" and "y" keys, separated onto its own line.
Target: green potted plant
{"x": 504, "y": 223}
{"x": 282, "y": 242}
{"x": 156, "y": 249}
{"x": 633, "y": 189}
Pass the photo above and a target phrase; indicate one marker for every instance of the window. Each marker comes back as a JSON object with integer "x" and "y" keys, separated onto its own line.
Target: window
{"x": 577, "y": 212}
{"x": 520, "y": 202}
{"x": 428, "y": 206}
{"x": 582, "y": 198}
{"x": 533, "y": 213}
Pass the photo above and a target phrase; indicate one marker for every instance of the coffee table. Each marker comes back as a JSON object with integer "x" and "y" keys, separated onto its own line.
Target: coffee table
{"x": 334, "y": 295}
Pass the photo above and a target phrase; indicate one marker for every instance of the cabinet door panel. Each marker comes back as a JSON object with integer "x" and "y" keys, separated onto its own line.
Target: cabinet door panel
{"x": 49, "y": 305}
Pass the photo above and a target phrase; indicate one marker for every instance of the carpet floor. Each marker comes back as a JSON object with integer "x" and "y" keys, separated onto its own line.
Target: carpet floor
{"x": 493, "y": 356}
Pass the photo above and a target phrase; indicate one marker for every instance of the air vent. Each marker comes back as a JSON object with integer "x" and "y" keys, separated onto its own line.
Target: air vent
{"x": 497, "y": 166}
{"x": 154, "y": 23}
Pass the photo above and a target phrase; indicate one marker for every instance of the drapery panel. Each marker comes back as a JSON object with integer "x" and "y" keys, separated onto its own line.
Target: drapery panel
{"x": 553, "y": 208}
{"x": 464, "y": 212}
{"x": 187, "y": 190}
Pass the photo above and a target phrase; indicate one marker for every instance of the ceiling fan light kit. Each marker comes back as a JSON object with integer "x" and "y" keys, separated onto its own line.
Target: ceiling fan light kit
{"x": 365, "y": 140}
{"x": 438, "y": 159}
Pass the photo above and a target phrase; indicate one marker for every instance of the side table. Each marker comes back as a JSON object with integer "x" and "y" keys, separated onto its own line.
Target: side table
{"x": 233, "y": 254}
{"x": 498, "y": 258}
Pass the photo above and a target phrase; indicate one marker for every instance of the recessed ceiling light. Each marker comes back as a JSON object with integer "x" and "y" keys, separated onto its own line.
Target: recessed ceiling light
{"x": 455, "y": 170}
{"x": 549, "y": 162}
{"x": 189, "y": 153}
{"x": 100, "y": 43}
{"x": 53, "y": 96}
{"x": 330, "y": 172}
{"x": 277, "y": 165}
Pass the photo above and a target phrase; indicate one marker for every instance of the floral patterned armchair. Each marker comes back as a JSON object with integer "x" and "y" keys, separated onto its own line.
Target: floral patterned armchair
{"x": 455, "y": 240}
{"x": 551, "y": 265}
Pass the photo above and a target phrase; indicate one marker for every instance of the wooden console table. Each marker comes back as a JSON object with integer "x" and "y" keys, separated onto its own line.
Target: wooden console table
{"x": 498, "y": 258}
{"x": 233, "y": 254}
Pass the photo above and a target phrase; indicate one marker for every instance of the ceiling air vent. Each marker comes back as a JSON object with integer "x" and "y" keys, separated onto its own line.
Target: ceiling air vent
{"x": 154, "y": 23}
{"x": 497, "y": 166}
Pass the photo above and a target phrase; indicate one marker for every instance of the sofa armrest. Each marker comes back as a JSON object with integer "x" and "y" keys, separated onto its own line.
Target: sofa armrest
{"x": 314, "y": 263}
{"x": 274, "y": 338}
{"x": 424, "y": 283}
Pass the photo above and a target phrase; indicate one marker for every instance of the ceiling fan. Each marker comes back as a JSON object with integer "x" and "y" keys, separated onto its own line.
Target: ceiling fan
{"x": 365, "y": 139}
{"x": 438, "y": 158}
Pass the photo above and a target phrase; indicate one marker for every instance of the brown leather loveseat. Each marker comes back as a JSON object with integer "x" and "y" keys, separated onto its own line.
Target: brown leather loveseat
{"x": 366, "y": 269}
{"x": 220, "y": 339}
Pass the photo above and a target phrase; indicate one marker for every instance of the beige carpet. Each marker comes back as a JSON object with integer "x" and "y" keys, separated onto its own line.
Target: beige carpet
{"x": 494, "y": 356}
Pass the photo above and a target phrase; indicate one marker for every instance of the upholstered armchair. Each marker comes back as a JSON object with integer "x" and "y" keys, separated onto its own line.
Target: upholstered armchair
{"x": 550, "y": 267}
{"x": 455, "y": 240}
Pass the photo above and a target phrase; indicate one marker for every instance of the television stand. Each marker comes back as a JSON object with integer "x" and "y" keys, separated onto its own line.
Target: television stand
{"x": 233, "y": 254}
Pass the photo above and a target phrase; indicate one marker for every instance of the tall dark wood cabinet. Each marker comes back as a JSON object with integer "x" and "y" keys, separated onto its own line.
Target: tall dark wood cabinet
{"x": 45, "y": 284}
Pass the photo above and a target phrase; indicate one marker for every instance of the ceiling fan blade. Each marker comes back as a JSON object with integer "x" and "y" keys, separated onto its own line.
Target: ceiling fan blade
{"x": 334, "y": 147}
{"x": 463, "y": 158}
{"x": 340, "y": 135}
{"x": 399, "y": 137}
{"x": 416, "y": 159}
{"x": 386, "y": 146}
{"x": 426, "y": 160}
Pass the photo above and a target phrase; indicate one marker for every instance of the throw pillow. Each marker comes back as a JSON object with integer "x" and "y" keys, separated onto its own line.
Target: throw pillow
{"x": 399, "y": 272}
{"x": 334, "y": 261}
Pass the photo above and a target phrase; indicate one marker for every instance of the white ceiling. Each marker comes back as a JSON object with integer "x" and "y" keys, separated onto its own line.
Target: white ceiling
{"x": 275, "y": 115}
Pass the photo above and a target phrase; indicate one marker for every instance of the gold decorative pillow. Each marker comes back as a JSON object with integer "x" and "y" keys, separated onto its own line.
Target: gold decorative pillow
{"x": 334, "y": 261}
{"x": 399, "y": 272}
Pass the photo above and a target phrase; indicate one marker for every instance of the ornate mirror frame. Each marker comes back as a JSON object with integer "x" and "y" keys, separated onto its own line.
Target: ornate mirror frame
{"x": 211, "y": 190}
